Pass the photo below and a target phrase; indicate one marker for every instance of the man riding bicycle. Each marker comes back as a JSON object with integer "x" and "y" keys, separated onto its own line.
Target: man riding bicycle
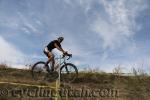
{"x": 48, "y": 51}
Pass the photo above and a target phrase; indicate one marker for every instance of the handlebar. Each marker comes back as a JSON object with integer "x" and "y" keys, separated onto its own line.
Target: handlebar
{"x": 69, "y": 56}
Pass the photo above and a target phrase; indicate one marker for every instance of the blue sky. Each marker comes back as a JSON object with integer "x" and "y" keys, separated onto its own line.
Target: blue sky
{"x": 99, "y": 33}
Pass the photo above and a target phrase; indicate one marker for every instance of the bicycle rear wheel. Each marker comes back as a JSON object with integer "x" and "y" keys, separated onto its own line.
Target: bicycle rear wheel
{"x": 68, "y": 73}
{"x": 38, "y": 71}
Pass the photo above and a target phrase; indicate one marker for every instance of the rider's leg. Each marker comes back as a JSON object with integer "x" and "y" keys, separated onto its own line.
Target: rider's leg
{"x": 53, "y": 63}
{"x": 50, "y": 56}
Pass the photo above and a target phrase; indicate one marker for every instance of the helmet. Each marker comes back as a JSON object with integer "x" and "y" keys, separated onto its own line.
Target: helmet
{"x": 60, "y": 39}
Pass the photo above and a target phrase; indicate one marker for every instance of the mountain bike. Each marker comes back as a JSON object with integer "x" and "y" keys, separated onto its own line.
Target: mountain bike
{"x": 68, "y": 72}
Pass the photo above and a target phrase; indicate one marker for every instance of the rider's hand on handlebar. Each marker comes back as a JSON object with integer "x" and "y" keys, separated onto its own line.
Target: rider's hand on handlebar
{"x": 67, "y": 54}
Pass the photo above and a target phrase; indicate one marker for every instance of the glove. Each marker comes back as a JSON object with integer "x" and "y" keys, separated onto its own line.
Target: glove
{"x": 65, "y": 53}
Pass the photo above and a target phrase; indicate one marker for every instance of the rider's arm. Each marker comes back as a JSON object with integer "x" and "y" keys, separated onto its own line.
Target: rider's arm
{"x": 59, "y": 48}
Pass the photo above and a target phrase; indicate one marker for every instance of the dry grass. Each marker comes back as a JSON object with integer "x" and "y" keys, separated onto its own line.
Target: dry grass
{"x": 130, "y": 87}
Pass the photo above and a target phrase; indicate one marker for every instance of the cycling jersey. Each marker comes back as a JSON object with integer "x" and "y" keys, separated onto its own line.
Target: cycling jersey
{"x": 51, "y": 45}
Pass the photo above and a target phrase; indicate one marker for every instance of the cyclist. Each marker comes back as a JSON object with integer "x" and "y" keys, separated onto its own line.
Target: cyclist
{"x": 48, "y": 51}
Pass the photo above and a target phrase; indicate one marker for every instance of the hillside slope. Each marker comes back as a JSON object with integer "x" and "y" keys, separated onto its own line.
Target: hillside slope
{"x": 100, "y": 86}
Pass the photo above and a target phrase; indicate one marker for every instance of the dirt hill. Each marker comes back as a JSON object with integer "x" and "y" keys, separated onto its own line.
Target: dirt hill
{"x": 17, "y": 84}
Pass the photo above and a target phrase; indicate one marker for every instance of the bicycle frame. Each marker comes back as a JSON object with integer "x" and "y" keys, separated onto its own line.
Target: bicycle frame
{"x": 60, "y": 59}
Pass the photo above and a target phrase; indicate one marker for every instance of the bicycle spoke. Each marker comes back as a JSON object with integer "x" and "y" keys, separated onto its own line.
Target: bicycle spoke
{"x": 38, "y": 71}
{"x": 68, "y": 73}
{"x": 67, "y": 70}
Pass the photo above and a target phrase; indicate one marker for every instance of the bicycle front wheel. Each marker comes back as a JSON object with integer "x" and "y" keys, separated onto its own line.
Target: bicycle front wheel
{"x": 68, "y": 72}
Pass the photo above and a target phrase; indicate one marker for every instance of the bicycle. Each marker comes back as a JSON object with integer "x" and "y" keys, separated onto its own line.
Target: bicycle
{"x": 68, "y": 71}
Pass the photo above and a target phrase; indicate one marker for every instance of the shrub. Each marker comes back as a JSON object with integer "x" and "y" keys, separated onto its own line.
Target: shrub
{"x": 3, "y": 66}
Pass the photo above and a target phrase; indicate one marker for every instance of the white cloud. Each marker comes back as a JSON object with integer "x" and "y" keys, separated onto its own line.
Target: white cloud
{"x": 119, "y": 25}
{"x": 30, "y": 24}
{"x": 85, "y": 4}
{"x": 113, "y": 21}
{"x": 26, "y": 22}
{"x": 115, "y": 24}
{"x": 9, "y": 53}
